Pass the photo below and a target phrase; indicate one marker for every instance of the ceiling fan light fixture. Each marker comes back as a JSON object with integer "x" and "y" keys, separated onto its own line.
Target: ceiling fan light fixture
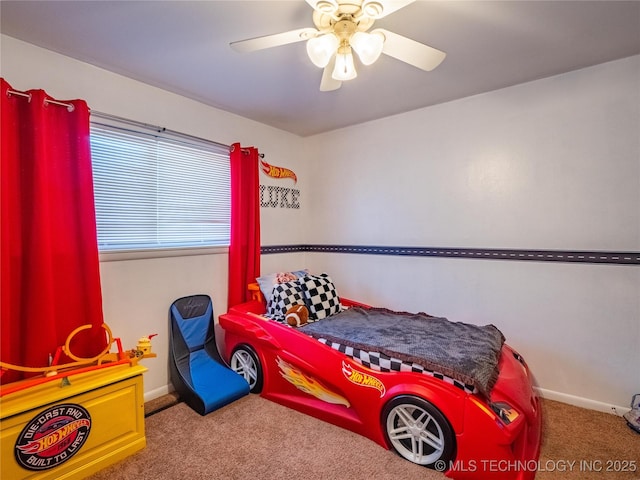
{"x": 324, "y": 6}
{"x": 345, "y": 68}
{"x": 372, "y": 8}
{"x": 368, "y": 46}
{"x": 342, "y": 27}
{"x": 321, "y": 49}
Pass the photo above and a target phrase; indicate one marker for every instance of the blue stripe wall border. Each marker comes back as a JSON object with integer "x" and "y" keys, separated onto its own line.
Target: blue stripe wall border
{"x": 565, "y": 256}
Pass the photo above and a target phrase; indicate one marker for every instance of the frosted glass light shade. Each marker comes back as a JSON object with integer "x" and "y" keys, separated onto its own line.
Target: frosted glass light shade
{"x": 344, "y": 69}
{"x": 321, "y": 49}
{"x": 368, "y": 46}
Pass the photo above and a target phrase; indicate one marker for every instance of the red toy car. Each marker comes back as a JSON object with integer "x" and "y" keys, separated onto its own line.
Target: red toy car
{"x": 427, "y": 419}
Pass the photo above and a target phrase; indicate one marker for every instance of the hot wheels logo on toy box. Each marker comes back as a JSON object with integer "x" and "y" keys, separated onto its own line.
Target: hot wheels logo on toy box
{"x": 362, "y": 378}
{"x": 52, "y": 437}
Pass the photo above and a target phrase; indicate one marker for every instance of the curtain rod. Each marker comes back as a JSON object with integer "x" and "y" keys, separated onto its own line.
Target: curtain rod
{"x": 107, "y": 116}
{"x": 69, "y": 106}
{"x": 155, "y": 128}
{"x": 246, "y": 151}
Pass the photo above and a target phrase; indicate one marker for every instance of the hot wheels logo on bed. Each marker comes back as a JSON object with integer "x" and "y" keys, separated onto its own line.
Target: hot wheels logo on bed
{"x": 52, "y": 437}
{"x": 363, "y": 379}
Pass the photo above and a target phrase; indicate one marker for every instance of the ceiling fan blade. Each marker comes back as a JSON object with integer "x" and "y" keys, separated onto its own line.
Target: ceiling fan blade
{"x": 371, "y": 7}
{"x": 328, "y": 83}
{"x": 268, "y": 41}
{"x": 409, "y": 51}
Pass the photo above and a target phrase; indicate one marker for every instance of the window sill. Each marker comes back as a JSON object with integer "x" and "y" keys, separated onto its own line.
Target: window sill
{"x": 123, "y": 255}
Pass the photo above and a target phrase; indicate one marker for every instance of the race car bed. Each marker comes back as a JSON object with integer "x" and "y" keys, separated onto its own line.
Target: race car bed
{"x": 447, "y": 395}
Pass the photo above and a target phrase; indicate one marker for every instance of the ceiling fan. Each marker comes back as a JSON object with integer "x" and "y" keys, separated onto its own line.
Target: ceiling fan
{"x": 342, "y": 26}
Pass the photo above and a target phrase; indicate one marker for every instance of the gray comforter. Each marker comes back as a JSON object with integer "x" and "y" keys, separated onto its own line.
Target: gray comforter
{"x": 465, "y": 352}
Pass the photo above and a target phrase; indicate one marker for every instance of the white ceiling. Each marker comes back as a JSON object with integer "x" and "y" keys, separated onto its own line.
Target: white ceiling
{"x": 183, "y": 47}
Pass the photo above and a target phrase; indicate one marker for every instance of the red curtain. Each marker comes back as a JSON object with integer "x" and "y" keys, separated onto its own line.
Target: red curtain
{"x": 244, "y": 248}
{"x": 49, "y": 256}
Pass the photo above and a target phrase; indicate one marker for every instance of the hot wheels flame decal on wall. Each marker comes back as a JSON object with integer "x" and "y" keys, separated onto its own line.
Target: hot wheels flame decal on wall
{"x": 309, "y": 385}
{"x": 363, "y": 379}
{"x": 277, "y": 172}
{"x": 52, "y": 437}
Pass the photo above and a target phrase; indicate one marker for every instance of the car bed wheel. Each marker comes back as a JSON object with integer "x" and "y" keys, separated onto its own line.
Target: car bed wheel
{"x": 244, "y": 362}
{"x": 419, "y": 432}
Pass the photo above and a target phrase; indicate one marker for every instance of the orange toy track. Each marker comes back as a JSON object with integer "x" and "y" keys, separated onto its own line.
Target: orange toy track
{"x": 80, "y": 365}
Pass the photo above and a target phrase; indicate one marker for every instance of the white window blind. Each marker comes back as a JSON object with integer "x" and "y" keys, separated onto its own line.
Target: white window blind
{"x": 158, "y": 190}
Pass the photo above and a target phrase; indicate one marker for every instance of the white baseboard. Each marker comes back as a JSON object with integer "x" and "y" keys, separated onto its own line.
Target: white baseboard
{"x": 582, "y": 402}
{"x": 158, "y": 392}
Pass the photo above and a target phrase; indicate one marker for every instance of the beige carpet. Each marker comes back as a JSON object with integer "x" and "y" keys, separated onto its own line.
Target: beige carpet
{"x": 254, "y": 438}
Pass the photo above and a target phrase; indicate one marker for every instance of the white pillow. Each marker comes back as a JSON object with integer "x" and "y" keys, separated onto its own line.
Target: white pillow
{"x": 267, "y": 282}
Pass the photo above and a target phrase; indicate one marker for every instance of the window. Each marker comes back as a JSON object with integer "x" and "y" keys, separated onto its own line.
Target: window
{"x": 158, "y": 190}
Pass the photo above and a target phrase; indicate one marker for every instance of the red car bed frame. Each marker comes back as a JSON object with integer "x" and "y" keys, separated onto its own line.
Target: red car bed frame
{"x": 424, "y": 419}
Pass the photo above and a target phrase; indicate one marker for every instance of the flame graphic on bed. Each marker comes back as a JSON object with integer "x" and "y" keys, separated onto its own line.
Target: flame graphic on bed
{"x": 309, "y": 385}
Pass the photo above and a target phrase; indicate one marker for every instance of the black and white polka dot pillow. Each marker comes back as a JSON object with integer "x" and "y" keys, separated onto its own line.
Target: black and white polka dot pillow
{"x": 283, "y": 297}
{"x": 321, "y": 296}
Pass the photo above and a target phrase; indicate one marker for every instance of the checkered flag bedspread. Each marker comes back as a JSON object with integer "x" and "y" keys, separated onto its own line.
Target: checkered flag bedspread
{"x": 383, "y": 363}
{"x": 463, "y": 352}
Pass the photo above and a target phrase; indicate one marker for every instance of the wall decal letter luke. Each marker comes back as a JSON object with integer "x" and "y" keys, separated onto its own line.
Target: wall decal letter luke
{"x": 272, "y": 196}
